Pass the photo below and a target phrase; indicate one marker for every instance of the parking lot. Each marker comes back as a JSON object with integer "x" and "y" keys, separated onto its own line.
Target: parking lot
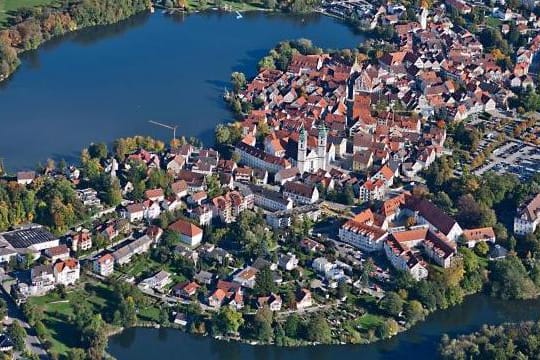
{"x": 513, "y": 157}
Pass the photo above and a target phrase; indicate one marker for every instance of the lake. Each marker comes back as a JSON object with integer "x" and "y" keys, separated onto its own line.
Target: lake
{"x": 102, "y": 83}
{"x": 420, "y": 342}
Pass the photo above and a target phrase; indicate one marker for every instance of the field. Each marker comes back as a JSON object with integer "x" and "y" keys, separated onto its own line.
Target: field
{"x": 9, "y": 5}
{"x": 57, "y": 314}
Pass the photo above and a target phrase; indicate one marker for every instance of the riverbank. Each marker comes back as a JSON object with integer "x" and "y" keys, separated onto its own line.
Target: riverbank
{"x": 421, "y": 341}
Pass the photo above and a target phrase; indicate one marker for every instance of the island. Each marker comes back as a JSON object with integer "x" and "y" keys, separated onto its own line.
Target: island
{"x": 355, "y": 192}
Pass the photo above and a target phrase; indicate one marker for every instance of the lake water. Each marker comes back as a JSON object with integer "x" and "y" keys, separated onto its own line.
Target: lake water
{"x": 420, "y": 342}
{"x": 103, "y": 83}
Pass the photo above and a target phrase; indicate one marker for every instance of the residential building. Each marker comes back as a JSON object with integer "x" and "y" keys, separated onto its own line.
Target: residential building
{"x": 67, "y": 272}
{"x": 471, "y": 237}
{"x": 189, "y": 233}
{"x": 104, "y": 265}
{"x": 528, "y": 217}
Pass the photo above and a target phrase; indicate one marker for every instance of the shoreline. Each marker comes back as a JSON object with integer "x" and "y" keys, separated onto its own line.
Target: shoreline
{"x": 165, "y": 11}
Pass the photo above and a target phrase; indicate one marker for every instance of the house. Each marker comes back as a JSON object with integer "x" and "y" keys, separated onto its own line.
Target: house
{"x": 303, "y": 299}
{"x": 42, "y": 280}
{"x": 189, "y": 233}
{"x": 217, "y": 298}
{"x": 362, "y": 160}
{"x": 104, "y": 265}
{"x": 202, "y": 215}
{"x": 135, "y": 212}
{"x": 25, "y": 177}
{"x": 246, "y": 277}
{"x": 301, "y": 193}
{"x": 273, "y": 302}
{"x": 67, "y": 272}
{"x": 179, "y": 188}
{"x": 176, "y": 164}
{"x": 288, "y": 261}
{"x": 60, "y": 252}
{"x": 322, "y": 265}
{"x": 204, "y": 277}
{"x": 197, "y": 198}
{"x": 527, "y": 218}
{"x": 186, "y": 289}
{"x": 310, "y": 245}
{"x": 158, "y": 281}
{"x": 124, "y": 254}
{"x": 286, "y": 175}
{"x": 180, "y": 319}
{"x": 81, "y": 240}
{"x": 471, "y": 237}
{"x": 156, "y": 195}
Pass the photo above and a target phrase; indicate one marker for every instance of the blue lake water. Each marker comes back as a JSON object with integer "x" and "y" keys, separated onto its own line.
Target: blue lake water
{"x": 102, "y": 83}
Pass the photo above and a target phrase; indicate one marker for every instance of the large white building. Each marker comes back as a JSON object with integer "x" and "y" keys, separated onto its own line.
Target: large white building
{"x": 311, "y": 160}
{"x": 362, "y": 235}
{"x": 528, "y": 217}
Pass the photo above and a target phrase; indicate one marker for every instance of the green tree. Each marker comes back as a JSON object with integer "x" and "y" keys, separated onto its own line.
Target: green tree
{"x": 262, "y": 324}
{"x": 509, "y": 279}
{"x": 264, "y": 282}
{"x": 413, "y": 311}
{"x": 238, "y": 81}
{"x": 292, "y": 326}
{"x": 18, "y": 335}
{"x": 228, "y": 321}
{"x": 392, "y": 304}
{"x": 318, "y": 330}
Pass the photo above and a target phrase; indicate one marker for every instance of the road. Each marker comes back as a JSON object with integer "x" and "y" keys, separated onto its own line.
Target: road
{"x": 32, "y": 341}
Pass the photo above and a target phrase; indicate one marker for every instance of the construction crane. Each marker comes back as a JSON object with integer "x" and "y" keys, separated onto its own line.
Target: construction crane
{"x": 173, "y": 128}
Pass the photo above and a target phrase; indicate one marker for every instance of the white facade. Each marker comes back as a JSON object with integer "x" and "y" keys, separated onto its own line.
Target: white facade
{"x": 313, "y": 160}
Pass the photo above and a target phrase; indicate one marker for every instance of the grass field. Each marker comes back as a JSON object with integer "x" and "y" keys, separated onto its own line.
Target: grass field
{"x": 9, "y": 5}
{"x": 57, "y": 314}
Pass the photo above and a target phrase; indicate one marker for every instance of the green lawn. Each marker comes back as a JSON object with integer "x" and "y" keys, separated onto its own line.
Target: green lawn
{"x": 9, "y": 5}
{"x": 369, "y": 321}
{"x": 57, "y": 314}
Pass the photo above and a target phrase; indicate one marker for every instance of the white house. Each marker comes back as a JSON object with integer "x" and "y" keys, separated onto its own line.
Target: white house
{"x": 528, "y": 217}
{"x": 189, "y": 233}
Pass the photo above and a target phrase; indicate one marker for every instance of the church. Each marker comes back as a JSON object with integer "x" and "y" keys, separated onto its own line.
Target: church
{"x": 311, "y": 157}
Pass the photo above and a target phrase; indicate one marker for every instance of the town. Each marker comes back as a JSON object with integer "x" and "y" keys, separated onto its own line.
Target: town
{"x": 358, "y": 191}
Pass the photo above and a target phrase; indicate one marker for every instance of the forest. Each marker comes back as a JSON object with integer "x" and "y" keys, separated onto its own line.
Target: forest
{"x": 515, "y": 341}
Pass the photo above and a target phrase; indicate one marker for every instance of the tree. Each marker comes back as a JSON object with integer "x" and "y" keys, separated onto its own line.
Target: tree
{"x": 292, "y": 326}
{"x": 128, "y": 313}
{"x": 18, "y": 335}
{"x": 228, "y": 321}
{"x": 238, "y": 81}
{"x": 77, "y": 354}
{"x": 264, "y": 282}
{"x": 318, "y": 330}
{"x": 509, "y": 279}
{"x": 262, "y": 324}
{"x": 98, "y": 151}
{"x": 392, "y": 304}
{"x": 481, "y": 248}
{"x": 413, "y": 311}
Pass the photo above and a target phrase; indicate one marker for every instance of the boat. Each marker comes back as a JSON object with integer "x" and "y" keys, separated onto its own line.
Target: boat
{"x": 238, "y": 15}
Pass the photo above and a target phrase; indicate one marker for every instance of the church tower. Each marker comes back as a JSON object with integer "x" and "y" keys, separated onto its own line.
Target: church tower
{"x": 322, "y": 139}
{"x": 423, "y": 18}
{"x": 302, "y": 150}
